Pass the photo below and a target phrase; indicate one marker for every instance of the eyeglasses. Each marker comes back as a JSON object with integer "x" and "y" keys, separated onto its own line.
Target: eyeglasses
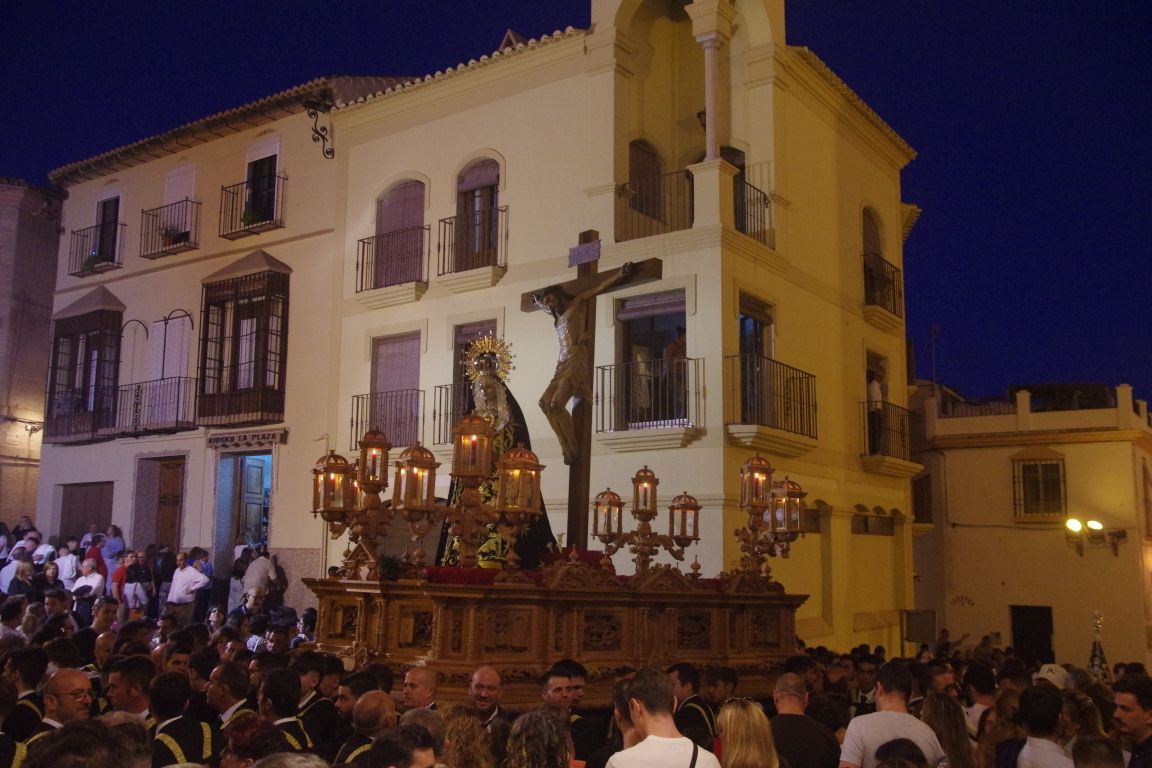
{"x": 80, "y": 694}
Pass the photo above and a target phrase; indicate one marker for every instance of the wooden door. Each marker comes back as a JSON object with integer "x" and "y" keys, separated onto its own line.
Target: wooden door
{"x": 1032, "y": 633}
{"x": 250, "y": 523}
{"x": 84, "y": 504}
{"x": 170, "y": 502}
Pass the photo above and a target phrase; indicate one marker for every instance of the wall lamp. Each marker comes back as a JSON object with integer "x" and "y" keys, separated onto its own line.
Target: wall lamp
{"x": 1091, "y": 533}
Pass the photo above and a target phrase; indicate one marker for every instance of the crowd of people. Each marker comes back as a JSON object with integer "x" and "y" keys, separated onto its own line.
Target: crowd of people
{"x": 150, "y": 673}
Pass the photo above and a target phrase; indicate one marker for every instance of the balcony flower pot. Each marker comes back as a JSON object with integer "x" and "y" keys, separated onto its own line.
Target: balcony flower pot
{"x": 174, "y": 236}
{"x": 250, "y": 217}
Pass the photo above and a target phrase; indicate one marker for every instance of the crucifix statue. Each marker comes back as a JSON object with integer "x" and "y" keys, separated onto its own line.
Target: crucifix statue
{"x": 573, "y": 377}
{"x": 572, "y": 306}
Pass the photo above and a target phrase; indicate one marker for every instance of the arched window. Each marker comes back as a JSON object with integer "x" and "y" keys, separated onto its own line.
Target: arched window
{"x": 477, "y": 216}
{"x": 871, "y": 234}
{"x": 397, "y": 251}
{"x": 878, "y": 280}
{"x": 644, "y": 172}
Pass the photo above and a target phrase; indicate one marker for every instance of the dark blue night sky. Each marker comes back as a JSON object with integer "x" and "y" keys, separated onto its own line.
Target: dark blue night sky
{"x": 1034, "y": 173}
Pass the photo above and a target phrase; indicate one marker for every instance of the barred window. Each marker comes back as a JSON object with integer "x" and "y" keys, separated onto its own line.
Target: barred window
{"x": 243, "y": 347}
{"x": 1039, "y": 487}
{"x": 83, "y": 376}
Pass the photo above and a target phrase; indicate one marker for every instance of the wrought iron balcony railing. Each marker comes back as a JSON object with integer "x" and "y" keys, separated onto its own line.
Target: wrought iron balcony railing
{"x": 241, "y": 407}
{"x": 81, "y": 416}
{"x": 753, "y": 212}
{"x": 886, "y": 430}
{"x": 474, "y": 240}
{"x": 393, "y": 258}
{"x": 399, "y": 414}
{"x": 95, "y": 249}
{"x": 769, "y": 393}
{"x": 883, "y": 285}
{"x": 170, "y": 229}
{"x": 654, "y": 206}
{"x": 651, "y": 394}
{"x": 252, "y": 207}
{"x": 450, "y": 402}
{"x": 156, "y": 407}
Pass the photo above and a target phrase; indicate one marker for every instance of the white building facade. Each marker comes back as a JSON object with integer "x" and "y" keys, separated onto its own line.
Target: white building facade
{"x": 1000, "y": 482}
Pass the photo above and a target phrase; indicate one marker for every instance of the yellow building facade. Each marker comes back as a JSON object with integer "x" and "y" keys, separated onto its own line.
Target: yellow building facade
{"x": 1000, "y": 481}
{"x": 694, "y": 134}
{"x": 765, "y": 243}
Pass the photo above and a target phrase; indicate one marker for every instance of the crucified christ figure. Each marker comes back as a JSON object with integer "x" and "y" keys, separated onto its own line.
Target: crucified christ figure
{"x": 572, "y": 379}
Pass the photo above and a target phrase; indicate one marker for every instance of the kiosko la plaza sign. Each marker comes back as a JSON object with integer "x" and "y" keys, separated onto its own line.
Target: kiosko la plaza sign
{"x": 261, "y": 439}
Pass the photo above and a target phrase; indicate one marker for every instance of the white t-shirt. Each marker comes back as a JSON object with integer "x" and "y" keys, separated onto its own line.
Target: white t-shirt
{"x": 867, "y": 732}
{"x": 257, "y": 574}
{"x": 1042, "y": 753}
{"x": 660, "y": 752}
{"x": 973, "y": 714}
{"x": 69, "y": 567}
{"x": 6, "y": 574}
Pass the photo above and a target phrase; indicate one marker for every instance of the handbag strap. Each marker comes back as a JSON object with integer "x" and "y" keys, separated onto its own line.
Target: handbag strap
{"x": 695, "y": 754}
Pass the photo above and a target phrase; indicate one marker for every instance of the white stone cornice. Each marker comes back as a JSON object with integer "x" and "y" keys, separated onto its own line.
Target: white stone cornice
{"x": 808, "y": 70}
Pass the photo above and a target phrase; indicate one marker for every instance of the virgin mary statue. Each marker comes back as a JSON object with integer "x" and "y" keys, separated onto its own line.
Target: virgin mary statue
{"x": 487, "y": 363}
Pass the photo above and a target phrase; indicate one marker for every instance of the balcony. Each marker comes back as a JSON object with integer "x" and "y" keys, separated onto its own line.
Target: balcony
{"x": 883, "y": 293}
{"x": 160, "y": 406}
{"x": 654, "y": 206}
{"x": 84, "y": 416}
{"x": 392, "y": 268}
{"x": 753, "y": 212}
{"x": 252, "y": 207}
{"x": 770, "y": 406}
{"x": 450, "y": 402}
{"x": 886, "y": 437}
{"x": 240, "y": 408}
{"x": 95, "y": 249}
{"x": 170, "y": 229}
{"x": 650, "y": 404}
{"x": 399, "y": 414}
{"x": 473, "y": 249}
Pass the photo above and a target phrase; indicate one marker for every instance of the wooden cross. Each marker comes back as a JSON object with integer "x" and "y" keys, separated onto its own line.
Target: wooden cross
{"x": 572, "y": 306}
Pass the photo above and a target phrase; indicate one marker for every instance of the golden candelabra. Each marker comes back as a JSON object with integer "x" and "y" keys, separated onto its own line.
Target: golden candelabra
{"x": 643, "y": 542}
{"x": 775, "y": 511}
{"x": 348, "y": 496}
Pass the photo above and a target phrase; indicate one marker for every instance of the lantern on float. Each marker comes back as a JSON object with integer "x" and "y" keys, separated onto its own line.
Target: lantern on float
{"x": 518, "y": 482}
{"x": 472, "y": 447}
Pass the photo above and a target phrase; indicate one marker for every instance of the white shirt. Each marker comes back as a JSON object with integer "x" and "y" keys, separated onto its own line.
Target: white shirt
{"x": 6, "y": 575}
{"x": 257, "y": 574}
{"x": 867, "y": 732}
{"x": 973, "y": 714}
{"x": 43, "y": 552}
{"x": 94, "y": 580}
{"x": 1042, "y": 753}
{"x": 661, "y": 752}
{"x": 227, "y": 714}
{"x": 185, "y": 582}
{"x": 69, "y": 569}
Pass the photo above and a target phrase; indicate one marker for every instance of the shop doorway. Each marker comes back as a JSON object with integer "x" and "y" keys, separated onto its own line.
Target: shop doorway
{"x": 243, "y": 490}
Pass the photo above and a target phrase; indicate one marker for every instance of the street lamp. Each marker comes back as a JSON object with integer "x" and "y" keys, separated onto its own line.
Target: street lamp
{"x": 1092, "y": 533}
